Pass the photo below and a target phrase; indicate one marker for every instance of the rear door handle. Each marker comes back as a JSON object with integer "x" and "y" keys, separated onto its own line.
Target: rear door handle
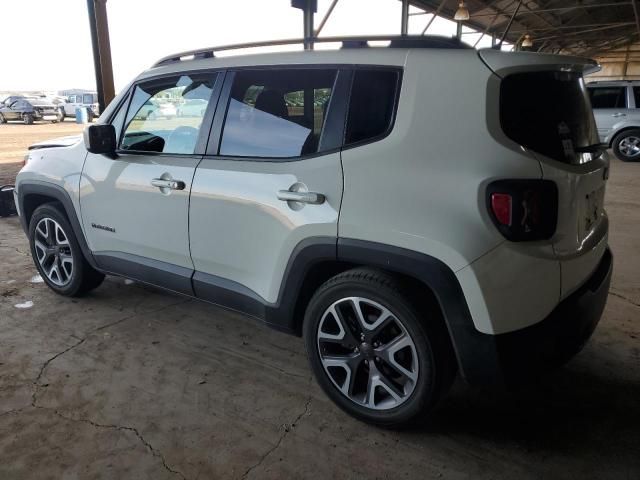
{"x": 616, "y": 115}
{"x": 302, "y": 197}
{"x": 168, "y": 184}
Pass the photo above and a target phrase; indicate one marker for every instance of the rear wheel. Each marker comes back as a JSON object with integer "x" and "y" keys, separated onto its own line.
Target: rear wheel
{"x": 374, "y": 352}
{"x": 57, "y": 254}
{"x": 626, "y": 146}
{"x": 27, "y": 118}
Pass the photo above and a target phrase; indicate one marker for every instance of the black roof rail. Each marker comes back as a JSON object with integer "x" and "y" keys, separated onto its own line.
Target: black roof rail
{"x": 396, "y": 41}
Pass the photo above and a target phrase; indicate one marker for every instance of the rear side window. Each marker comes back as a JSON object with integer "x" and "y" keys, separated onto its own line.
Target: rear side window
{"x": 277, "y": 113}
{"x": 549, "y": 113}
{"x": 607, "y": 97}
{"x": 371, "y": 108}
{"x": 636, "y": 95}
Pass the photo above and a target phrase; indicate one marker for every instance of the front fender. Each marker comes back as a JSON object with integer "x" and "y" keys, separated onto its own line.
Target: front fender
{"x": 33, "y": 193}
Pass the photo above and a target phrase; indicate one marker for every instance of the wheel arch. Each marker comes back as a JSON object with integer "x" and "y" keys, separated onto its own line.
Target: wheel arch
{"x": 33, "y": 194}
{"x": 317, "y": 260}
{"x": 621, "y": 131}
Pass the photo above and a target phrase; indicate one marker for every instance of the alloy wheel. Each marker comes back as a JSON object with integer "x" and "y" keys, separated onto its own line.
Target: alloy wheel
{"x": 367, "y": 353}
{"x": 629, "y": 146}
{"x": 53, "y": 252}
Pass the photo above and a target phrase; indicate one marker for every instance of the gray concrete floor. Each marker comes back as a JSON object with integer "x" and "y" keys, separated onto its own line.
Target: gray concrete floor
{"x": 131, "y": 382}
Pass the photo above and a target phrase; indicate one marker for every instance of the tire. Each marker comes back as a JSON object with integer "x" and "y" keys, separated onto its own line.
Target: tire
{"x": 413, "y": 337}
{"x": 57, "y": 254}
{"x": 2, "y": 119}
{"x": 61, "y": 116}
{"x": 27, "y": 118}
{"x": 89, "y": 115}
{"x": 626, "y": 145}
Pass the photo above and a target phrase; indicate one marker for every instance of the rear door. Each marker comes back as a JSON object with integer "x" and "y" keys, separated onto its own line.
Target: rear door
{"x": 610, "y": 106}
{"x": 135, "y": 207}
{"x": 271, "y": 178}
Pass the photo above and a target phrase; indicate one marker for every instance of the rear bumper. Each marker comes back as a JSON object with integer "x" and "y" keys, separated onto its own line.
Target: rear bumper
{"x": 521, "y": 355}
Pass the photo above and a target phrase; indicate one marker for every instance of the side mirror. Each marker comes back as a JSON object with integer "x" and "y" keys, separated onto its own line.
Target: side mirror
{"x": 100, "y": 139}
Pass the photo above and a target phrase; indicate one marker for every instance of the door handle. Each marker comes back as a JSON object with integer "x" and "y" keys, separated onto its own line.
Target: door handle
{"x": 302, "y": 197}
{"x": 168, "y": 184}
{"x": 616, "y": 115}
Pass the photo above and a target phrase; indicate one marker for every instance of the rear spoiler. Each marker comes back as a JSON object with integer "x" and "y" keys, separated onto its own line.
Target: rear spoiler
{"x": 506, "y": 63}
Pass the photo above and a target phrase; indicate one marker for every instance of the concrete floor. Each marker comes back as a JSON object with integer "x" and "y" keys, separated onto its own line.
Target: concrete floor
{"x": 131, "y": 382}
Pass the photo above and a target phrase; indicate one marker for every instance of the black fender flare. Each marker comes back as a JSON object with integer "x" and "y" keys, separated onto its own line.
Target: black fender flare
{"x": 58, "y": 194}
{"x": 475, "y": 351}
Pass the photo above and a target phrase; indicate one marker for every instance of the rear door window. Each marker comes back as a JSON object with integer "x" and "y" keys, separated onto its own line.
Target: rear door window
{"x": 152, "y": 123}
{"x": 372, "y": 104}
{"x": 636, "y": 95}
{"x": 277, "y": 113}
{"x": 608, "y": 97}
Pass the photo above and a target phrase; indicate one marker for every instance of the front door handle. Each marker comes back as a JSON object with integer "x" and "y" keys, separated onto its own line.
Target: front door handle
{"x": 302, "y": 197}
{"x": 619, "y": 114}
{"x": 161, "y": 183}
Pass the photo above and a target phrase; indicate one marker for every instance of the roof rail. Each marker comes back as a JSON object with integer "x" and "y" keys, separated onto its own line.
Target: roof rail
{"x": 396, "y": 41}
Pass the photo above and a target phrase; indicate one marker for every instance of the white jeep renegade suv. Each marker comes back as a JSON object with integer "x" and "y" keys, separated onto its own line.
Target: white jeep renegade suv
{"x": 410, "y": 210}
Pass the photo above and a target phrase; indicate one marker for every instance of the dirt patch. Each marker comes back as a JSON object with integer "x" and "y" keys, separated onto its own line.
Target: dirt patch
{"x": 15, "y": 139}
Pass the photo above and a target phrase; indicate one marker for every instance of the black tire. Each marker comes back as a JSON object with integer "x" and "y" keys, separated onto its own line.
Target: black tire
{"x": 619, "y": 149}
{"x": 27, "y": 118}
{"x": 2, "y": 119}
{"x": 61, "y": 115}
{"x": 90, "y": 115}
{"x": 436, "y": 361}
{"x": 83, "y": 277}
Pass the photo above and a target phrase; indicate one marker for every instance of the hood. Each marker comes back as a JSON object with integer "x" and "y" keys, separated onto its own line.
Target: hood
{"x": 57, "y": 142}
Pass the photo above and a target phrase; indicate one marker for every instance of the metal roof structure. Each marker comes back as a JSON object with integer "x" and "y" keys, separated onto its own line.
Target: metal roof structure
{"x": 577, "y": 27}
{"x": 608, "y": 30}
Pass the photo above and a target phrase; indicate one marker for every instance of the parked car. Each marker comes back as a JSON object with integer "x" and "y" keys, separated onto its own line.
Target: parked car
{"x": 157, "y": 108}
{"x": 81, "y": 100}
{"x": 28, "y": 110}
{"x": 616, "y": 107}
{"x": 361, "y": 222}
{"x": 9, "y": 100}
{"x": 192, "y": 108}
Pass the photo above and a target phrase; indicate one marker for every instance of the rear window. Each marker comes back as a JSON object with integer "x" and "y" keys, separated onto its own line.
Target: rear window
{"x": 549, "y": 113}
{"x": 607, "y": 97}
{"x": 371, "y": 107}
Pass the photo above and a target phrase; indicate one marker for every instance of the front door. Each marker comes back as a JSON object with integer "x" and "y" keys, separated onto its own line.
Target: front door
{"x": 135, "y": 207}
{"x": 275, "y": 180}
{"x": 609, "y": 105}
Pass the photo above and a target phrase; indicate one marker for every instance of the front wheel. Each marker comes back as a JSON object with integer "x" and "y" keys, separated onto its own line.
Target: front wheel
{"x": 626, "y": 146}
{"x": 27, "y": 118}
{"x": 376, "y": 353}
{"x": 2, "y": 119}
{"x": 57, "y": 254}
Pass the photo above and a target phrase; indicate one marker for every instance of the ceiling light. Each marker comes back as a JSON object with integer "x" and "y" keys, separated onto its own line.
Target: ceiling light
{"x": 527, "y": 42}
{"x": 462, "y": 13}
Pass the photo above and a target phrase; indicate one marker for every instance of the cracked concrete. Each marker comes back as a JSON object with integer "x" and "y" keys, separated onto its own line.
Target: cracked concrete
{"x": 286, "y": 428}
{"x": 131, "y": 382}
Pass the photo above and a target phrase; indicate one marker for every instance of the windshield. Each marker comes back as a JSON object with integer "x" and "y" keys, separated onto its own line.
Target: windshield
{"x": 549, "y": 113}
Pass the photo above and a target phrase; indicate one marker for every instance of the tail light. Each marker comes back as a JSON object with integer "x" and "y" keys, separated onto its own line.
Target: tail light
{"x": 523, "y": 210}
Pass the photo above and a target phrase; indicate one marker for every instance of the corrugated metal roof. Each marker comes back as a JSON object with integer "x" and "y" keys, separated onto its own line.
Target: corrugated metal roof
{"x": 580, "y": 27}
